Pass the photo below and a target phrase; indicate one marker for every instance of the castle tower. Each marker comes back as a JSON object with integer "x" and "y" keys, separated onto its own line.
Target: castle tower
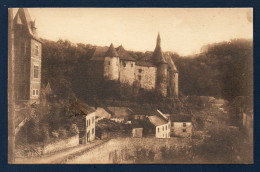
{"x": 111, "y": 64}
{"x": 27, "y": 58}
{"x": 162, "y": 66}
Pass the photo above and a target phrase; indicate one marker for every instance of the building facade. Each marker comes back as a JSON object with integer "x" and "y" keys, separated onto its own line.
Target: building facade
{"x": 181, "y": 125}
{"x": 156, "y": 72}
{"x": 27, "y": 51}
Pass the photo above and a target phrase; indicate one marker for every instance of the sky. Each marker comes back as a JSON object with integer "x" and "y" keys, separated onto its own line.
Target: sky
{"x": 182, "y": 30}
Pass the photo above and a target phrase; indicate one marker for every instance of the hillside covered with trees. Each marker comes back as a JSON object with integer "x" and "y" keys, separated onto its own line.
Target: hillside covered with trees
{"x": 223, "y": 70}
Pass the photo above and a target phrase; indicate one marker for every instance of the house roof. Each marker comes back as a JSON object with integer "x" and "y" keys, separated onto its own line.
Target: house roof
{"x": 111, "y": 52}
{"x": 145, "y": 111}
{"x": 23, "y": 17}
{"x": 119, "y": 111}
{"x": 123, "y": 54}
{"x": 85, "y": 108}
{"x": 180, "y": 118}
{"x": 157, "y": 121}
{"x": 48, "y": 89}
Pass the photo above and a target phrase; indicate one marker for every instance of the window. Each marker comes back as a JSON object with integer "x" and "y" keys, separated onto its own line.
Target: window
{"x": 184, "y": 124}
{"x": 36, "y": 50}
{"x": 158, "y": 130}
{"x": 132, "y": 65}
{"x": 108, "y": 62}
{"x": 139, "y": 77}
{"x": 172, "y": 124}
{"x": 36, "y": 71}
{"x": 35, "y": 92}
{"x": 92, "y": 119}
{"x": 163, "y": 128}
{"x": 124, "y": 64}
{"x": 140, "y": 70}
{"x": 184, "y": 130}
{"x": 166, "y": 127}
{"x": 93, "y": 130}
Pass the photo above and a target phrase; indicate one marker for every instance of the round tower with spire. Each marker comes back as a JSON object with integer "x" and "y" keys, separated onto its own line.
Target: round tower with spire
{"x": 111, "y": 64}
{"x": 159, "y": 60}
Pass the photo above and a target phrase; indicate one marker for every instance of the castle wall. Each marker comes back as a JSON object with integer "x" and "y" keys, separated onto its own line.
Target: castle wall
{"x": 111, "y": 68}
{"x": 127, "y": 72}
{"x": 173, "y": 84}
{"x": 162, "y": 79}
{"x": 146, "y": 76}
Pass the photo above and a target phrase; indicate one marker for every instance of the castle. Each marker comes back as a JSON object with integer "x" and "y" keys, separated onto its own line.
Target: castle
{"x": 26, "y": 49}
{"x": 155, "y": 72}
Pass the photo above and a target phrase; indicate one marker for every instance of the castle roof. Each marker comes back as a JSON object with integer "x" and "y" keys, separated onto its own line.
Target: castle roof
{"x": 123, "y": 54}
{"x": 99, "y": 53}
{"x": 23, "y": 17}
{"x": 111, "y": 52}
{"x": 171, "y": 64}
{"x": 157, "y": 56}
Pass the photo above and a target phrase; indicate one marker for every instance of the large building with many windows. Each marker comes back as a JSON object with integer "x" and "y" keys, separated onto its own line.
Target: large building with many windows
{"x": 27, "y": 50}
{"x": 157, "y": 71}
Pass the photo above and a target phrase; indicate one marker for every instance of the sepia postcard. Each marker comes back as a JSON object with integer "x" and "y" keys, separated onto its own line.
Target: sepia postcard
{"x": 130, "y": 86}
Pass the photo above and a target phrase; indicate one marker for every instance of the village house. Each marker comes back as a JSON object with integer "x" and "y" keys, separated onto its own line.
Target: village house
{"x": 119, "y": 114}
{"x": 86, "y": 123}
{"x": 153, "y": 122}
{"x": 157, "y": 71}
{"x": 181, "y": 125}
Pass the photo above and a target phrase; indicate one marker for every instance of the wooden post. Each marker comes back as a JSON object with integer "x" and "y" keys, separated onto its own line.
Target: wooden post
{"x": 11, "y": 122}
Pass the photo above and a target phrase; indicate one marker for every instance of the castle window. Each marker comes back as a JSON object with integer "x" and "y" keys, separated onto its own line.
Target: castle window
{"x": 139, "y": 77}
{"x": 36, "y": 50}
{"x": 132, "y": 65}
{"x": 108, "y": 62}
{"x": 184, "y": 124}
{"x": 166, "y": 127}
{"x": 140, "y": 70}
{"x": 124, "y": 64}
{"x": 158, "y": 130}
{"x": 163, "y": 128}
{"x": 36, "y": 71}
{"x": 184, "y": 130}
{"x": 93, "y": 130}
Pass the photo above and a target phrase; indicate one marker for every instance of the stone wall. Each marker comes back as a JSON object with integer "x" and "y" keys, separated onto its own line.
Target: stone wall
{"x": 178, "y": 129}
{"x": 146, "y": 76}
{"x": 61, "y": 144}
{"x": 127, "y": 72}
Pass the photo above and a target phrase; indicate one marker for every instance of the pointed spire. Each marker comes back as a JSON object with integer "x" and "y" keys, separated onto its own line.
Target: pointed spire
{"x": 157, "y": 54}
{"x": 111, "y": 52}
{"x": 158, "y": 40}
